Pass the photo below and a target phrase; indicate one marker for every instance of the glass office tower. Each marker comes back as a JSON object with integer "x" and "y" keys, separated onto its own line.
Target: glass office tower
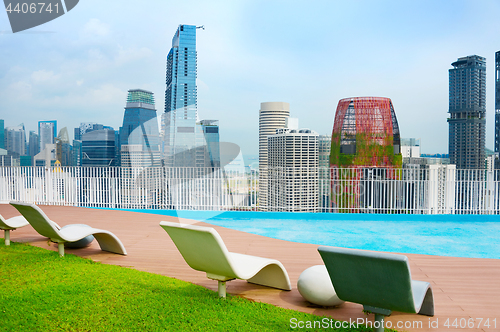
{"x": 139, "y": 137}
{"x": 98, "y": 148}
{"x": 34, "y": 144}
{"x": 210, "y": 130}
{"x": 179, "y": 122}
{"x": 467, "y": 108}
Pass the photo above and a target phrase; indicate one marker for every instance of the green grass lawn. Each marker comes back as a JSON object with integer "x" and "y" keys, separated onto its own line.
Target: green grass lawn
{"x": 44, "y": 292}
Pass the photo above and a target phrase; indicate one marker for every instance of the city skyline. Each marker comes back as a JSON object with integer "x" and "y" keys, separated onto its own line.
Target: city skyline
{"x": 79, "y": 67}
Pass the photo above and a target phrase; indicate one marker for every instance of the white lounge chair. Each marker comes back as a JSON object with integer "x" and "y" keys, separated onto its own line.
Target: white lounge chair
{"x": 69, "y": 233}
{"x": 204, "y": 250}
{"x": 381, "y": 282}
{"x": 11, "y": 224}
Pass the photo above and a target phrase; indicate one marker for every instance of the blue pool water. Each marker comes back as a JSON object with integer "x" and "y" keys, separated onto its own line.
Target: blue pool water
{"x": 444, "y": 235}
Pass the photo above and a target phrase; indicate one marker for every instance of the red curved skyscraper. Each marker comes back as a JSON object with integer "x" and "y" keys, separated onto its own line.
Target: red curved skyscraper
{"x": 365, "y": 133}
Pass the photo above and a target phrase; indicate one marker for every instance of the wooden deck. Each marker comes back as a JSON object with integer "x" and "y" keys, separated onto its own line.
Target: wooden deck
{"x": 466, "y": 289}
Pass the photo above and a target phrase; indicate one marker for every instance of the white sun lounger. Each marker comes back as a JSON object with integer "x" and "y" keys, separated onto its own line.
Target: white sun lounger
{"x": 70, "y": 233}
{"x": 204, "y": 250}
{"x": 380, "y": 281}
{"x": 11, "y": 224}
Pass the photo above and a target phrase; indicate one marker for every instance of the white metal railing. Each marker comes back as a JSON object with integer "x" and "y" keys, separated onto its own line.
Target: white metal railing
{"x": 433, "y": 190}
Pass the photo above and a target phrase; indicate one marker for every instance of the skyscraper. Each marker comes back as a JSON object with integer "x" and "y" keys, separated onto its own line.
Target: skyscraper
{"x": 497, "y": 101}
{"x": 293, "y": 167}
{"x": 63, "y": 148}
{"x": 467, "y": 108}
{"x": 365, "y": 133}
{"x": 47, "y": 131}
{"x": 183, "y": 136}
{"x": 34, "y": 144}
{"x": 15, "y": 140}
{"x": 101, "y": 139}
{"x": 211, "y": 137}
{"x": 98, "y": 148}
{"x": 272, "y": 116}
{"x": 139, "y": 138}
{"x": 76, "y": 156}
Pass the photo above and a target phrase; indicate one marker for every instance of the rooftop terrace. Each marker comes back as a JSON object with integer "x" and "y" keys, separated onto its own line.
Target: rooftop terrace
{"x": 464, "y": 288}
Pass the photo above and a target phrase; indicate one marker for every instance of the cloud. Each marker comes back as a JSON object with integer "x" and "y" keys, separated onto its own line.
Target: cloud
{"x": 201, "y": 85}
{"x": 43, "y": 76}
{"x": 126, "y": 55}
{"x": 96, "y": 60}
{"x": 20, "y": 91}
{"x": 105, "y": 94}
{"x": 94, "y": 28}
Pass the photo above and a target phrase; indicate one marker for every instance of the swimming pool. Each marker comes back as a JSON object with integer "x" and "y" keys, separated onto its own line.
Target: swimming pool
{"x": 475, "y": 236}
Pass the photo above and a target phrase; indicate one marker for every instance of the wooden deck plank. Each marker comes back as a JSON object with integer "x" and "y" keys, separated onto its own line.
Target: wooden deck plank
{"x": 463, "y": 287}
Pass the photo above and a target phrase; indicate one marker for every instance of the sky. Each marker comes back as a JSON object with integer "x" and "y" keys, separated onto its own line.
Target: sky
{"x": 79, "y": 67}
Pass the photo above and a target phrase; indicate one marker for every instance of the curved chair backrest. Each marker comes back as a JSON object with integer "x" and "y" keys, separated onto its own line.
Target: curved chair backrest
{"x": 370, "y": 278}
{"x": 3, "y": 224}
{"x": 12, "y": 223}
{"x": 201, "y": 247}
{"x": 37, "y": 219}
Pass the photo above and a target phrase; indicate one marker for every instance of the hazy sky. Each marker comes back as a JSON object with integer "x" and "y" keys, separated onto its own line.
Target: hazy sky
{"x": 78, "y": 67}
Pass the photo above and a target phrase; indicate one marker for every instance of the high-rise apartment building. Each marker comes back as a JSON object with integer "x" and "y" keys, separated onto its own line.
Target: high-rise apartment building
{"x": 467, "y": 108}
{"x": 180, "y": 117}
{"x": 272, "y": 116}
{"x": 293, "y": 170}
{"x": 139, "y": 137}
{"x": 47, "y": 131}
{"x": 15, "y": 140}
{"x": 497, "y": 101}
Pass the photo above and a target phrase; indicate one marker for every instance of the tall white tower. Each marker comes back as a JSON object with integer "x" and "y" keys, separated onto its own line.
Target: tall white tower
{"x": 272, "y": 116}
